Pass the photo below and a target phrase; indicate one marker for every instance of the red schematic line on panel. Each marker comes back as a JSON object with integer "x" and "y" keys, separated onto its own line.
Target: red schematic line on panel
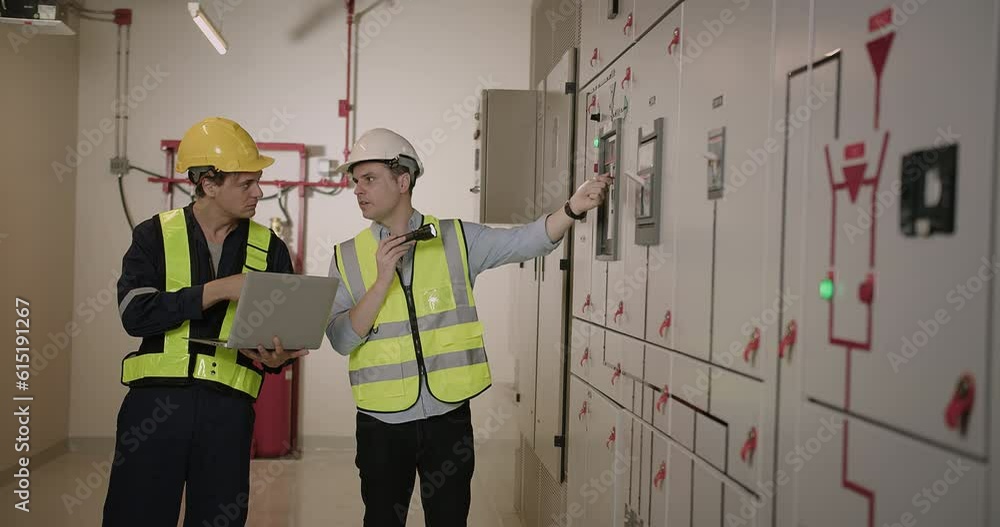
{"x": 853, "y": 172}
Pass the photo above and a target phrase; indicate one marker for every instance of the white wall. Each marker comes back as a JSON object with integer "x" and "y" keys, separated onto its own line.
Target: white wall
{"x": 422, "y": 59}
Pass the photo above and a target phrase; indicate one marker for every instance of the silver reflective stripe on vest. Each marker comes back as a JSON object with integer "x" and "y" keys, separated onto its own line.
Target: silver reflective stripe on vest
{"x": 388, "y": 372}
{"x": 460, "y": 315}
{"x": 453, "y": 253}
{"x": 349, "y": 255}
{"x": 132, "y": 294}
{"x": 455, "y": 359}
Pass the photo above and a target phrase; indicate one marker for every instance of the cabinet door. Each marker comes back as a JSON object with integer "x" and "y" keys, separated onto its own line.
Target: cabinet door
{"x": 658, "y": 484}
{"x": 738, "y": 401}
{"x": 577, "y": 450}
{"x": 747, "y": 262}
{"x": 627, "y": 274}
{"x": 656, "y": 97}
{"x": 582, "y": 360}
{"x": 525, "y": 344}
{"x": 603, "y": 436}
{"x": 847, "y": 472}
{"x": 647, "y": 12}
{"x": 678, "y": 487}
{"x": 556, "y": 167}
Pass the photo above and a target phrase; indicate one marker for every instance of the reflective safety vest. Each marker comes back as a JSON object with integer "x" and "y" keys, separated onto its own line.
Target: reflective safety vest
{"x": 429, "y": 329}
{"x": 175, "y": 360}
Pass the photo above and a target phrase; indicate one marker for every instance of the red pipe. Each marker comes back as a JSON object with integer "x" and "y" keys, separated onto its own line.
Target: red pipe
{"x": 280, "y": 183}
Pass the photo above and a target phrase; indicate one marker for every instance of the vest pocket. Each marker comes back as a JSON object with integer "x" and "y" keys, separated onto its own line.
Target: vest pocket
{"x": 384, "y": 377}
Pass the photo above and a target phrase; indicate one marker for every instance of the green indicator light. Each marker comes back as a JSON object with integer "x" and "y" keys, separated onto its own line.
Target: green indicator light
{"x": 826, "y": 289}
{"x": 597, "y": 142}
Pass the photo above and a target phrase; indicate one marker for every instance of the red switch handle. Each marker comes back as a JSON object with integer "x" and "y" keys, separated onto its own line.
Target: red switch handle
{"x": 750, "y": 351}
{"x": 750, "y": 446}
{"x": 586, "y": 356}
{"x": 616, "y": 374}
{"x": 583, "y": 410}
{"x": 957, "y": 414}
{"x": 674, "y": 41}
{"x": 628, "y": 76}
{"x": 593, "y": 58}
{"x": 611, "y": 438}
{"x": 789, "y": 339}
{"x": 662, "y": 401}
{"x": 661, "y": 474}
{"x": 866, "y": 291}
{"x": 620, "y": 312}
{"x": 666, "y": 323}
{"x": 628, "y": 24}
{"x": 586, "y": 304}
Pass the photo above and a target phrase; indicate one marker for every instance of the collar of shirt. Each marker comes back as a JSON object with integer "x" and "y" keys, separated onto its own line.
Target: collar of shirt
{"x": 381, "y": 232}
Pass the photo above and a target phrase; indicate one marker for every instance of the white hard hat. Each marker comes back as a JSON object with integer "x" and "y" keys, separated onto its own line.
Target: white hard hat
{"x": 382, "y": 144}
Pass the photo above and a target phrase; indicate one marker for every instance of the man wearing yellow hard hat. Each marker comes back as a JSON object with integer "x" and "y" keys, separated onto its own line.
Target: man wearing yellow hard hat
{"x": 186, "y": 423}
{"x": 407, "y": 318}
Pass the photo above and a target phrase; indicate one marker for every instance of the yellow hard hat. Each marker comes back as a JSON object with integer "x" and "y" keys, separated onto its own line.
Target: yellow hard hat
{"x": 220, "y": 143}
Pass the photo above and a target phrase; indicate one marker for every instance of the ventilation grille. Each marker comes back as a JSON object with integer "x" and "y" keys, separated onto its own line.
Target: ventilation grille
{"x": 542, "y": 499}
{"x": 555, "y": 30}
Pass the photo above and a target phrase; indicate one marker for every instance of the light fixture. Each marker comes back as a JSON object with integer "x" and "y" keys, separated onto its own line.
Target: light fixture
{"x": 207, "y": 27}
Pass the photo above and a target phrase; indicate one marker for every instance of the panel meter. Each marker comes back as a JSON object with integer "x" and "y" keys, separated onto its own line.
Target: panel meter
{"x": 647, "y": 193}
{"x": 608, "y": 156}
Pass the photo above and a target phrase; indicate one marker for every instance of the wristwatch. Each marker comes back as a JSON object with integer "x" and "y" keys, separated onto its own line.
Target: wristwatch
{"x": 571, "y": 214}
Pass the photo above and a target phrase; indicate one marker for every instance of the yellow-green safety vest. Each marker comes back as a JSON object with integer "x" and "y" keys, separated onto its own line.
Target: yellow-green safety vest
{"x": 430, "y": 328}
{"x": 175, "y": 360}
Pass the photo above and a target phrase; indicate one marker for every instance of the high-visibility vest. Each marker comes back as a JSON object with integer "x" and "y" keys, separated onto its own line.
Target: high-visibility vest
{"x": 428, "y": 329}
{"x": 175, "y": 359}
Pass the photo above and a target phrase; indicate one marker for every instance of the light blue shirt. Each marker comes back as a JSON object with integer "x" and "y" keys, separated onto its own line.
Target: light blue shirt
{"x": 488, "y": 247}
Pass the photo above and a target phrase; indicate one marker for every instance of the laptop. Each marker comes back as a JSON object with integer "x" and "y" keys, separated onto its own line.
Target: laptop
{"x": 296, "y": 308}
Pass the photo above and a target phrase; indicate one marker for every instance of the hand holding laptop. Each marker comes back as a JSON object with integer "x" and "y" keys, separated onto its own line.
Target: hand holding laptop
{"x": 275, "y": 358}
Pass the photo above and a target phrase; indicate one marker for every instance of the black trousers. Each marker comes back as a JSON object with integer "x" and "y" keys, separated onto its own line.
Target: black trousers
{"x": 171, "y": 436}
{"x": 439, "y": 448}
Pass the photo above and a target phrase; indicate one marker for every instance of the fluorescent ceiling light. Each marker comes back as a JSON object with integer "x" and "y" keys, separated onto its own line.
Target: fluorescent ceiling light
{"x": 207, "y": 27}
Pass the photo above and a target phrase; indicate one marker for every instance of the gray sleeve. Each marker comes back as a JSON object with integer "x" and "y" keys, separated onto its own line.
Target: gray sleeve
{"x": 340, "y": 331}
{"x": 491, "y": 247}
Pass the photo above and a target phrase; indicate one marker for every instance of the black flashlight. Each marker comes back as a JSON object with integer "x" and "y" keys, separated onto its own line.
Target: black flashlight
{"x": 426, "y": 232}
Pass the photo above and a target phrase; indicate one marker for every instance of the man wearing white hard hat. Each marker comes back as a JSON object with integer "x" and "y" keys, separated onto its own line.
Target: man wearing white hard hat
{"x": 407, "y": 319}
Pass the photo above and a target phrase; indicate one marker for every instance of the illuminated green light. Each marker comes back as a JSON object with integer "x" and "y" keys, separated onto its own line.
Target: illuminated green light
{"x": 597, "y": 142}
{"x": 826, "y": 289}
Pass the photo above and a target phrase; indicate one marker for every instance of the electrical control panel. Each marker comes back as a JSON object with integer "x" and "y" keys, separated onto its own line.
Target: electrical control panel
{"x": 797, "y": 286}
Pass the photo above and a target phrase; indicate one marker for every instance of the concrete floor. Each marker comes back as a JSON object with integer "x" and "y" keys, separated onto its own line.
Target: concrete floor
{"x": 322, "y": 488}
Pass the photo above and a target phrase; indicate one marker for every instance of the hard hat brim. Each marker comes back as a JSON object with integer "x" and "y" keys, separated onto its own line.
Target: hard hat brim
{"x": 260, "y": 163}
